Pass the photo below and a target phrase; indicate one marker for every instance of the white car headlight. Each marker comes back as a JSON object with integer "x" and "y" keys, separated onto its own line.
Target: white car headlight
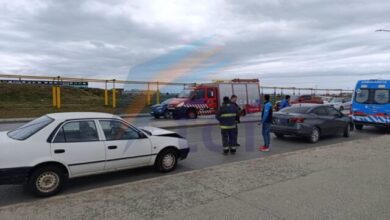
{"x": 181, "y": 104}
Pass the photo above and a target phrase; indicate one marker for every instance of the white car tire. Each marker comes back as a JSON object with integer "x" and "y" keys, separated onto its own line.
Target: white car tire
{"x": 166, "y": 160}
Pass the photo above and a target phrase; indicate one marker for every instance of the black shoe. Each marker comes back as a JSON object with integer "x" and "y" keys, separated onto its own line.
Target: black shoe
{"x": 225, "y": 150}
{"x": 233, "y": 151}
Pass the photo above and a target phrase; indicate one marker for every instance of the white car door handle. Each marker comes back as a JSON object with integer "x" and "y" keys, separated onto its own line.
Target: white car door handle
{"x": 59, "y": 151}
{"x": 112, "y": 147}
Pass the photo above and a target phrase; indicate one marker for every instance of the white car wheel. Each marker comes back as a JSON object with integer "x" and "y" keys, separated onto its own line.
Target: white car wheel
{"x": 166, "y": 160}
{"x": 46, "y": 181}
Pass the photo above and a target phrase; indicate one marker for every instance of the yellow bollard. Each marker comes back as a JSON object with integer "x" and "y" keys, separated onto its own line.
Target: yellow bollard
{"x": 106, "y": 95}
{"x": 148, "y": 94}
{"x": 114, "y": 98}
{"x": 113, "y": 94}
{"x": 54, "y": 95}
{"x": 158, "y": 94}
{"x": 58, "y": 97}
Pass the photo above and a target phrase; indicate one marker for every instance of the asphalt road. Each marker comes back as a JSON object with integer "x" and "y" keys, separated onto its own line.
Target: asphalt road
{"x": 205, "y": 152}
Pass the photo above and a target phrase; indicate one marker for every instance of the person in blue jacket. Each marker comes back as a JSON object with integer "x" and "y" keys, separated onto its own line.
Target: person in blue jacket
{"x": 285, "y": 102}
{"x": 266, "y": 121}
{"x": 227, "y": 115}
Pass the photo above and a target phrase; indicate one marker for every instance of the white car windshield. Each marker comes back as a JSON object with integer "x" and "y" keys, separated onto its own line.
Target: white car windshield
{"x": 30, "y": 128}
{"x": 336, "y": 100}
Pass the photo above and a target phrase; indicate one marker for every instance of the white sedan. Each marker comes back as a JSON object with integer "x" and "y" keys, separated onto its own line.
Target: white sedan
{"x": 340, "y": 103}
{"x": 44, "y": 153}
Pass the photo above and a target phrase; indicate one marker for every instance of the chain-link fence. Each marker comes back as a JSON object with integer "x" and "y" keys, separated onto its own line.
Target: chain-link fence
{"x": 31, "y": 96}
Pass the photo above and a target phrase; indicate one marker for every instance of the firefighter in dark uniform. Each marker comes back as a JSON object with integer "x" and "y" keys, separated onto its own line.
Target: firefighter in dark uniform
{"x": 233, "y": 100}
{"x": 227, "y": 115}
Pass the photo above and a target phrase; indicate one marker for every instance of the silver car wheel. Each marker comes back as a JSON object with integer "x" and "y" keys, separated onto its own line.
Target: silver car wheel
{"x": 168, "y": 161}
{"x": 315, "y": 135}
{"x": 47, "y": 182}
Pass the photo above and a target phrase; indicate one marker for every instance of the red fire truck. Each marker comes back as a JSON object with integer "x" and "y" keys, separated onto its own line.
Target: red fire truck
{"x": 204, "y": 99}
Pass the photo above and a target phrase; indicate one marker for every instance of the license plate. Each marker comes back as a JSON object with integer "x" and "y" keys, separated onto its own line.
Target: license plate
{"x": 281, "y": 121}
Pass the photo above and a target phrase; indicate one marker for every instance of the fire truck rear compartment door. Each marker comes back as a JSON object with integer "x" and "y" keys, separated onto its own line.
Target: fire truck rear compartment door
{"x": 240, "y": 91}
{"x": 225, "y": 89}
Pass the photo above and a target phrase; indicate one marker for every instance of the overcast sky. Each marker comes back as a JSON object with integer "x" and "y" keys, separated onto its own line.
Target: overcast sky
{"x": 310, "y": 43}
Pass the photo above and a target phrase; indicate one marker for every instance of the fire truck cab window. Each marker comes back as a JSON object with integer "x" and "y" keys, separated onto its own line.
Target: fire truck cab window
{"x": 199, "y": 94}
{"x": 210, "y": 93}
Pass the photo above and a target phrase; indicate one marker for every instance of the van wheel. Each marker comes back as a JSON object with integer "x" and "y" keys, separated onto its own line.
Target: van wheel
{"x": 166, "y": 160}
{"x": 358, "y": 126}
{"x": 191, "y": 114}
{"x": 46, "y": 181}
{"x": 315, "y": 135}
{"x": 346, "y": 131}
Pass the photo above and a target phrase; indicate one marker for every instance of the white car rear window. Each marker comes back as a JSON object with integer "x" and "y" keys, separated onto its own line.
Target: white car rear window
{"x": 30, "y": 128}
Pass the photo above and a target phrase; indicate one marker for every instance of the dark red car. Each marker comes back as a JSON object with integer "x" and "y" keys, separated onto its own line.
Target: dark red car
{"x": 306, "y": 99}
{"x": 301, "y": 99}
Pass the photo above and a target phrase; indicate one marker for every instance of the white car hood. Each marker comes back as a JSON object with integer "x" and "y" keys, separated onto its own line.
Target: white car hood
{"x": 157, "y": 131}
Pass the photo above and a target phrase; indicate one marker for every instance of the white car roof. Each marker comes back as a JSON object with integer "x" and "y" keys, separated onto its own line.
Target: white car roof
{"x": 80, "y": 115}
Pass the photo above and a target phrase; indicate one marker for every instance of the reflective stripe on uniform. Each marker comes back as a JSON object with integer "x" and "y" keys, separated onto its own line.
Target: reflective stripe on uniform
{"x": 227, "y": 115}
{"x": 228, "y": 127}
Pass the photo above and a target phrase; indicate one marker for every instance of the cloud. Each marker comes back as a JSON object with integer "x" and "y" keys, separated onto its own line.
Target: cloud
{"x": 282, "y": 42}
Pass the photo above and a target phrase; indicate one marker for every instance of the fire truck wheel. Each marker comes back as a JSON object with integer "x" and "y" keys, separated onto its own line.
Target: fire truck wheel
{"x": 243, "y": 113}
